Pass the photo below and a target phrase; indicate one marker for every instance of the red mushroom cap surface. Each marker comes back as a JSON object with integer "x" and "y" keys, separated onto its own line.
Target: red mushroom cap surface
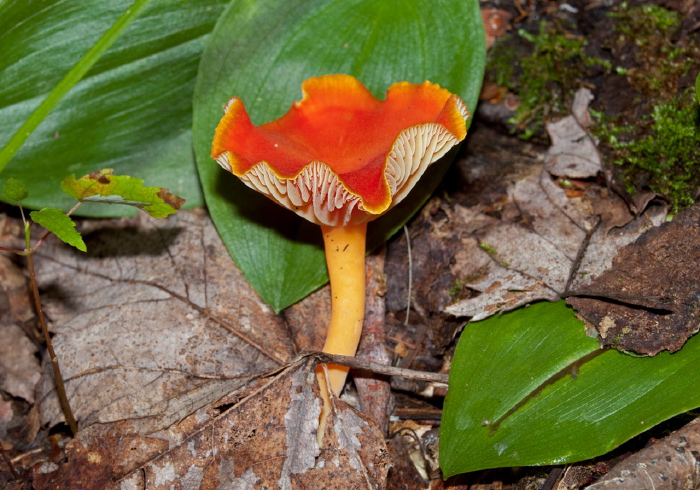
{"x": 340, "y": 155}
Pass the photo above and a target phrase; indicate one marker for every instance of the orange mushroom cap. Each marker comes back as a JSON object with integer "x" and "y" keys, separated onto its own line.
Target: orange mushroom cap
{"x": 340, "y": 155}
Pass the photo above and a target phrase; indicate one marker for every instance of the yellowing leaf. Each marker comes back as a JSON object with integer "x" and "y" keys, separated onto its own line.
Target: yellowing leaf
{"x": 104, "y": 186}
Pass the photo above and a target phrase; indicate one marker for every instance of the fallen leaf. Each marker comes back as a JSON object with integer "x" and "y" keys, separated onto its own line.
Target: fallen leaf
{"x": 19, "y": 368}
{"x": 153, "y": 322}
{"x": 669, "y": 463}
{"x": 267, "y": 440}
{"x": 649, "y": 300}
{"x": 573, "y": 153}
{"x": 544, "y": 244}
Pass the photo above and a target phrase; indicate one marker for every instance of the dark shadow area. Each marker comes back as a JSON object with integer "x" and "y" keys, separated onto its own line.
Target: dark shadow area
{"x": 129, "y": 241}
{"x": 258, "y": 208}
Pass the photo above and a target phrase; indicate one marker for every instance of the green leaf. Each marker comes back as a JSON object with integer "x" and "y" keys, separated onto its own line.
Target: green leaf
{"x": 61, "y": 225}
{"x": 697, "y": 89}
{"x": 14, "y": 190}
{"x": 529, "y": 388}
{"x": 261, "y": 52}
{"x": 132, "y": 111}
{"x": 105, "y": 187}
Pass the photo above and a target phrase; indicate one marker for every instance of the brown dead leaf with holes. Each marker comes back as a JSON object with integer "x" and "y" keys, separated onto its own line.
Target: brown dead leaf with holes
{"x": 267, "y": 439}
{"x": 649, "y": 300}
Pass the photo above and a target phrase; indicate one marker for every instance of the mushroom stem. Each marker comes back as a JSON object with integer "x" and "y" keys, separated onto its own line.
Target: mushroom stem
{"x": 345, "y": 256}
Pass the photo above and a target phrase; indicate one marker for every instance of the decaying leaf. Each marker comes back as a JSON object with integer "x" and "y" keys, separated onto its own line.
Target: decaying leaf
{"x": 672, "y": 462}
{"x": 543, "y": 244}
{"x": 267, "y": 440}
{"x": 573, "y": 153}
{"x": 19, "y": 368}
{"x": 649, "y": 300}
{"x": 153, "y": 322}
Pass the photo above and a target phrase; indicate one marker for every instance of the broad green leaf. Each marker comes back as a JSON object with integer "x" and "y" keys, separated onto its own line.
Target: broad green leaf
{"x": 262, "y": 51}
{"x": 69, "y": 80}
{"x": 105, "y": 187}
{"x": 529, "y": 388}
{"x": 131, "y": 111}
{"x": 14, "y": 190}
{"x": 61, "y": 225}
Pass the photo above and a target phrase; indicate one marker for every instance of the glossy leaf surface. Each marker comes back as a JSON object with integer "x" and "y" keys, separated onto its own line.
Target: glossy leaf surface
{"x": 132, "y": 111}
{"x": 529, "y": 388}
{"x": 262, "y": 51}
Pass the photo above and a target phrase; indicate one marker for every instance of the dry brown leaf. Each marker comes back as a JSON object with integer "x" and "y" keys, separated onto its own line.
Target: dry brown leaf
{"x": 649, "y": 301}
{"x": 573, "y": 153}
{"x": 19, "y": 368}
{"x": 530, "y": 253}
{"x": 673, "y": 462}
{"x": 267, "y": 440}
{"x": 153, "y": 322}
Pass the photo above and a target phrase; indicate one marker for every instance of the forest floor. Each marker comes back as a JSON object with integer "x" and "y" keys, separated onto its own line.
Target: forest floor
{"x": 626, "y": 71}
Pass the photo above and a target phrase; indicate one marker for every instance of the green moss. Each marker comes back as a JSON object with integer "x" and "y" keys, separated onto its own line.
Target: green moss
{"x": 659, "y": 151}
{"x": 488, "y": 249}
{"x": 666, "y": 159}
{"x": 546, "y": 78}
{"x": 658, "y": 62}
{"x": 457, "y": 287}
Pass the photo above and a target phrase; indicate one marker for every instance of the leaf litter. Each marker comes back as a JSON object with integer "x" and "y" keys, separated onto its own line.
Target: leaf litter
{"x": 536, "y": 241}
{"x": 154, "y": 321}
{"x": 649, "y": 300}
{"x": 153, "y": 327}
{"x": 267, "y": 439}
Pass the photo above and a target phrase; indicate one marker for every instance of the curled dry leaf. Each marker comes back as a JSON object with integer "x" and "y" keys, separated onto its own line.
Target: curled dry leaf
{"x": 153, "y": 322}
{"x": 649, "y": 300}
{"x": 268, "y": 440}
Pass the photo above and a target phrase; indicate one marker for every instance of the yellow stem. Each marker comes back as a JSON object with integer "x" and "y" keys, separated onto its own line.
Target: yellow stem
{"x": 345, "y": 256}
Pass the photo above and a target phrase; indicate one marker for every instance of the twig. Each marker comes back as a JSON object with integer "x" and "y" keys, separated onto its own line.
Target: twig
{"x": 13, "y": 250}
{"x": 13, "y": 470}
{"x": 410, "y": 274}
{"x": 579, "y": 257}
{"x": 354, "y": 363}
{"x": 60, "y": 389}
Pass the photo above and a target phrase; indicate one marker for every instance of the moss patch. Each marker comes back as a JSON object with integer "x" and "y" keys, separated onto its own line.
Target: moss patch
{"x": 545, "y": 76}
{"x": 655, "y": 143}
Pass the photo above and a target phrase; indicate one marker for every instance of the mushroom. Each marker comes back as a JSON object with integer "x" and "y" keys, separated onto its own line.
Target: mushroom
{"x": 340, "y": 158}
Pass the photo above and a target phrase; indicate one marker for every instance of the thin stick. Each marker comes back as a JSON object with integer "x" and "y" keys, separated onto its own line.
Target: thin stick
{"x": 60, "y": 389}
{"x": 13, "y": 250}
{"x": 15, "y": 473}
{"x": 374, "y": 367}
{"x": 410, "y": 274}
